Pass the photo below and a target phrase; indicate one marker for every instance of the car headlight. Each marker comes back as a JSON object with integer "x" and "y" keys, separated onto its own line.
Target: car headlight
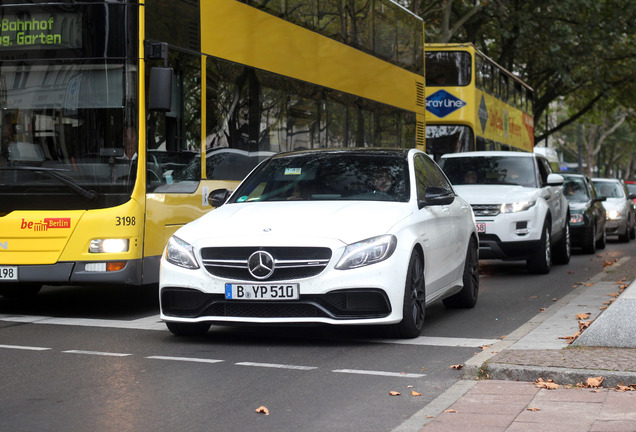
{"x": 613, "y": 214}
{"x": 517, "y": 206}
{"x": 367, "y": 252}
{"x": 180, "y": 253}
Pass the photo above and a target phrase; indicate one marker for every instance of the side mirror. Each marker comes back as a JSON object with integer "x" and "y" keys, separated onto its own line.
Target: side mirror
{"x": 555, "y": 180}
{"x": 437, "y": 196}
{"x": 600, "y": 199}
{"x": 160, "y": 91}
{"x": 217, "y": 197}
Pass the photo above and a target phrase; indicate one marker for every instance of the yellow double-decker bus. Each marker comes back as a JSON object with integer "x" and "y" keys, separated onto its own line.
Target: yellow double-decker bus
{"x": 472, "y": 103}
{"x": 119, "y": 117}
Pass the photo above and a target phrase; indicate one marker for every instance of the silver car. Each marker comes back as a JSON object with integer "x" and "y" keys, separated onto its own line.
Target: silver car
{"x": 619, "y": 208}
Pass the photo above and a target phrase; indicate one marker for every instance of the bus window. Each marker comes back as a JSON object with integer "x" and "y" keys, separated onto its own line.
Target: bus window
{"x": 385, "y": 31}
{"x": 448, "y": 68}
{"x": 503, "y": 87}
{"x": 442, "y": 139}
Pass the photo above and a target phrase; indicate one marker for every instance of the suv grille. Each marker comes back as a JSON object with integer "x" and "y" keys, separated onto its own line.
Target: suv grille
{"x": 290, "y": 262}
{"x": 486, "y": 209}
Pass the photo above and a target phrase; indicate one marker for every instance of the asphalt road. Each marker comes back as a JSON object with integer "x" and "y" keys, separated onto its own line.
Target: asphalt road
{"x": 98, "y": 359}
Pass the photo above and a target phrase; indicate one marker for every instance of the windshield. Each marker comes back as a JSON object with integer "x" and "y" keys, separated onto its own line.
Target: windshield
{"x": 68, "y": 97}
{"x": 327, "y": 176}
{"x": 490, "y": 170}
{"x": 575, "y": 191}
{"x": 609, "y": 189}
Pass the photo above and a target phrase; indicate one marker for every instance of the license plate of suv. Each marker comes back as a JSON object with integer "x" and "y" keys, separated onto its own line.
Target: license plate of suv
{"x": 261, "y": 292}
{"x": 481, "y": 227}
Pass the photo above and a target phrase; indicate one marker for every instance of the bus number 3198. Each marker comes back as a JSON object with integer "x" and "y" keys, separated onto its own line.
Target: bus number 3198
{"x": 125, "y": 221}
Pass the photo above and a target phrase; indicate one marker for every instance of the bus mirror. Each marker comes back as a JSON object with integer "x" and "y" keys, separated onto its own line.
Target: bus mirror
{"x": 218, "y": 197}
{"x": 160, "y": 92}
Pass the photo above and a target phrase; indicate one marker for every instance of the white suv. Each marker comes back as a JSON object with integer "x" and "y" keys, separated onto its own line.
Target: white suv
{"x": 518, "y": 203}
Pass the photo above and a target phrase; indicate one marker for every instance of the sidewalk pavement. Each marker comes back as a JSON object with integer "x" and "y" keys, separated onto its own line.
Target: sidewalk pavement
{"x": 505, "y": 387}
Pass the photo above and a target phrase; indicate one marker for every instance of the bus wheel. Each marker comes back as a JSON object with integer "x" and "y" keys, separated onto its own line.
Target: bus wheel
{"x": 20, "y": 290}
{"x": 188, "y": 329}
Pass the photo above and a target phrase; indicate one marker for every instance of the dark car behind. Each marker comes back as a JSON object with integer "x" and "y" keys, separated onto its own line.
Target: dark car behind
{"x": 587, "y": 214}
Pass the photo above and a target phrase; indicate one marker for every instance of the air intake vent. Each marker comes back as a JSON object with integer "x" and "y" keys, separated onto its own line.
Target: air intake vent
{"x": 420, "y": 134}
{"x": 420, "y": 96}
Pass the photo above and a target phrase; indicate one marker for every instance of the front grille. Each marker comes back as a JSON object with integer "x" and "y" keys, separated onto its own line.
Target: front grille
{"x": 341, "y": 304}
{"x": 486, "y": 209}
{"x": 290, "y": 262}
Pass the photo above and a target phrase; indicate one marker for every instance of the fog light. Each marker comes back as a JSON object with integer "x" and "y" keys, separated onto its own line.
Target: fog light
{"x": 108, "y": 246}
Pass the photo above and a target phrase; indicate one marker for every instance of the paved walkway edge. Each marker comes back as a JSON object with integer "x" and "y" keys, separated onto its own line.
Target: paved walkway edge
{"x": 436, "y": 406}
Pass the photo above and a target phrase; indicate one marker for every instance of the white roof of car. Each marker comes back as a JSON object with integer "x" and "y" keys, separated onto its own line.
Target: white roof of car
{"x": 489, "y": 153}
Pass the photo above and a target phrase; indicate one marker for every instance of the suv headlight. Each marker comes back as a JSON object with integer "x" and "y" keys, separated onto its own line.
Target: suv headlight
{"x": 180, "y": 253}
{"x": 367, "y": 252}
{"x": 517, "y": 206}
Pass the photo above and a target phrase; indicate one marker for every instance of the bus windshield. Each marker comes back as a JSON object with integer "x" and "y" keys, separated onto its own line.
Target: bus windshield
{"x": 66, "y": 119}
{"x": 68, "y": 79}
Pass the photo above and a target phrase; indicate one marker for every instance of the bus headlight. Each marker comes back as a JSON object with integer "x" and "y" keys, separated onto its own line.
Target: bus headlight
{"x": 180, "y": 253}
{"x": 109, "y": 246}
{"x": 367, "y": 252}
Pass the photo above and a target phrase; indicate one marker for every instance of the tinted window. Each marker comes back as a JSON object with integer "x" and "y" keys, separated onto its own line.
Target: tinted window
{"x": 448, "y": 68}
{"x": 490, "y": 170}
{"x": 574, "y": 190}
{"x": 328, "y": 176}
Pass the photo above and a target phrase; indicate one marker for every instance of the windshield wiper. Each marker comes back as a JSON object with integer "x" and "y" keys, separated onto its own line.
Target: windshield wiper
{"x": 54, "y": 173}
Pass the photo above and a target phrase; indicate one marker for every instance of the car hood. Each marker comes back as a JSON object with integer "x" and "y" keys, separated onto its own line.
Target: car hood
{"x": 250, "y": 223}
{"x": 496, "y": 194}
{"x": 578, "y": 206}
{"x": 616, "y": 204}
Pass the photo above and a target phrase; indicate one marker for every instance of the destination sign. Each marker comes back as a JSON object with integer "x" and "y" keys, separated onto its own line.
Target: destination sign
{"x": 41, "y": 30}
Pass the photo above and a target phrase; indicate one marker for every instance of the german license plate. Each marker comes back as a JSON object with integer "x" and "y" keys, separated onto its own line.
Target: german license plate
{"x": 261, "y": 292}
{"x": 481, "y": 227}
{"x": 9, "y": 273}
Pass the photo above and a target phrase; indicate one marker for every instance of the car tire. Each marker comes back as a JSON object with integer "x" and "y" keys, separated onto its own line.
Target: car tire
{"x": 589, "y": 241}
{"x": 467, "y": 297}
{"x": 414, "y": 307}
{"x": 188, "y": 329}
{"x": 20, "y": 291}
{"x": 602, "y": 242}
{"x": 624, "y": 238}
{"x": 541, "y": 262}
{"x": 562, "y": 251}
{"x": 632, "y": 232}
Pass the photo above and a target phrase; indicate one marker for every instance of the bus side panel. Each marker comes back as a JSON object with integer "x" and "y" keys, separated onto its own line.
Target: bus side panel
{"x": 265, "y": 42}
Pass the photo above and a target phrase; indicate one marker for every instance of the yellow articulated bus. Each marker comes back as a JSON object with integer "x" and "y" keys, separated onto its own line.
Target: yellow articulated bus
{"x": 119, "y": 118}
{"x": 472, "y": 103}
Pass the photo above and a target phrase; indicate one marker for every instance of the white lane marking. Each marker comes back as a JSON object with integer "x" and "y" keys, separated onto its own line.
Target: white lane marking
{"x": 22, "y": 347}
{"x": 154, "y": 323}
{"x": 188, "y": 359}
{"x": 278, "y": 366}
{"x": 147, "y": 323}
{"x": 100, "y": 353}
{"x": 440, "y": 341}
{"x": 379, "y": 373}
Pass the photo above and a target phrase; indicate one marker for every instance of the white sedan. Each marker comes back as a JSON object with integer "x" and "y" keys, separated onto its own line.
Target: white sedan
{"x": 332, "y": 236}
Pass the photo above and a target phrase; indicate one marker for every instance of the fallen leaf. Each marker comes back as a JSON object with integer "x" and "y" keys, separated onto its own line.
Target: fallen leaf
{"x": 394, "y": 393}
{"x": 450, "y": 410}
{"x": 457, "y": 366}
{"x": 414, "y": 393}
{"x": 583, "y": 316}
{"x": 571, "y": 272}
{"x": 555, "y": 299}
{"x": 485, "y": 347}
{"x": 549, "y": 384}
{"x": 542, "y": 309}
{"x": 594, "y": 382}
{"x": 533, "y": 409}
{"x": 262, "y": 410}
{"x": 624, "y": 388}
